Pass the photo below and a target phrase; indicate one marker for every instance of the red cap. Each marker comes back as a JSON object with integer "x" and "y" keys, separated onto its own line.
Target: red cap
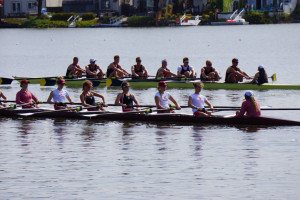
{"x": 61, "y": 81}
{"x": 162, "y": 84}
{"x": 88, "y": 84}
{"x": 24, "y": 81}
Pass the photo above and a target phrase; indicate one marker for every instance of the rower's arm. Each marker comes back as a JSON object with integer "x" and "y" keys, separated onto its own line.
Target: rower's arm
{"x": 89, "y": 72}
{"x": 175, "y": 102}
{"x": 135, "y": 101}
{"x": 209, "y": 104}
{"x": 190, "y": 104}
{"x": 117, "y": 101}
{"x": 50, "y": 97}
{"x": 133, "y": 71}
{"x": 3, "y": 96}
{"x": 70, "y": 100}
{"x": 101, "y": 96}
{"x": 82, "y": 99}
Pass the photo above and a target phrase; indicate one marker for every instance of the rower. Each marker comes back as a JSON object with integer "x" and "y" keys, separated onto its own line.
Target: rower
{"x": 59, "y": 95}
{"x": 115, "y": 70}
{"x": 250, "y": 106}
{"x": 209, "y": 73}
{"x": 234, "y": 74}
{"x": 24, "y": 96}
{"x": 4, "y": 99}
{"x": 162, "y": 99}
{"x": 126, "y": 99}
{"x": 260, "y": 77}
{"x": 196, "y": 102}
{"x": 74, "y": 68}
{"x": 185, "y": 70}
{"x": 87, "y": 97}
{"x": 163, "y": 71}
{"x": 139, "y": 71}
{"x": 92, "y": 70}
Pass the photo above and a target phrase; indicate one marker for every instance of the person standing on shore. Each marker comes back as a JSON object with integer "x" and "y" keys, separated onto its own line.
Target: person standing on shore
{"x": 74, "y": 68}
{"x": 234, "y": 74}
{"x": 115, "y": 70}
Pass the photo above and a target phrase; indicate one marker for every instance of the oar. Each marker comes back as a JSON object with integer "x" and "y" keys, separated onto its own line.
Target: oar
{"x": 49, "y": 77}
{"x": 51, "y": 82}
{"x": 77, "y": 108}
{"x": 5, "y": 81}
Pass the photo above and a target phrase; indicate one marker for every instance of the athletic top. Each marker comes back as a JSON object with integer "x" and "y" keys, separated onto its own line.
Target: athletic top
{"x": 163, "y": 73}
{"x": 198, "y": 101}
{"x": 138, "y": 70}
{"x": 206, "y": 72}
{"x": 90, "y": 99}
{"x": 128, "y": 100}
{"x": 68, "y": 70}
{"x": 25, "y": 97}
{"x": 184, "y": 69}
{"x": 60, "y": 96}
{"x": 92, "y": 70}
{"x": 163, "y": 99}
{"x": 261, "y": 79}
{"x": 110, "y": 68}
{"x": 248, "y": 107}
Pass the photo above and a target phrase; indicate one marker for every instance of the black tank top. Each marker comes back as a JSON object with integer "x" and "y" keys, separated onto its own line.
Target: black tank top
{"x": 90, "y": 100}
{"x": 183, "y": 70}
{"x": 138, "y": 70}
{"x": 128, "y": 100}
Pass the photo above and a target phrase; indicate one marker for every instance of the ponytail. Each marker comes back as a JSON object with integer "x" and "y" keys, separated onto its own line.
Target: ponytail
{"x": 254, "y": 103}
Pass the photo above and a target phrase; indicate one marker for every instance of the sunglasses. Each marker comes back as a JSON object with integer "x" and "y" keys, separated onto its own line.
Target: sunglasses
{"x": 126, "y": 86}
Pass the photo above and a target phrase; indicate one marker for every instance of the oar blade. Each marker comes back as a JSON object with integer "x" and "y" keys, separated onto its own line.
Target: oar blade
{"x": 47, "y": 82}
{"x": 5, "y": 81}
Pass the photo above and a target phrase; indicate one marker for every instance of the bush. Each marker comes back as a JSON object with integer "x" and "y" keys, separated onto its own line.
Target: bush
{"x": 255, "y": 17}
{"x": 62, "y": 16}
{"x": 88, "y": 16}
{"x": 104, "y": 20}
{"x": 43, "y": 17}
{"x": 137, "y": 21}
{"x": 87, "y": 23}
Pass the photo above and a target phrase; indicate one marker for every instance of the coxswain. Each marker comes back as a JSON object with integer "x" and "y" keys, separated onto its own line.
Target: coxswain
{"x": 197, "y": 100}
{"x": 115, "y": 70}
{"x": 126, "y": 99}
{"x": 162, "y": 99}
{"x": 87, "y": 97}
{"x": 250, "y": 106}
{"x": 4, "y": 99}
{"x": 24, "y": 96}
{"x": 209, "y": 73}
{"x": 74, "y": 68}
{"x": 139, "y": 71}
{"x": 163, "y": 71}
{"x": 59, "y": 95}
{"x": 185, "y": 70}
{"x": 234, "y": 74}
{"x": 260, "y": 77}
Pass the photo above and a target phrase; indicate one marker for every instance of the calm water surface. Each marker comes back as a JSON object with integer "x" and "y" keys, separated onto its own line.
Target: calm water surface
{"x": 82, "y": 159}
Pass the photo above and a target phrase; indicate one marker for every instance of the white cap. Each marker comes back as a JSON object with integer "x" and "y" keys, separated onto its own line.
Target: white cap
{"x": 92, "y": 60}
{"x": 249, "y": 94}
{"x": 260, "y": 67}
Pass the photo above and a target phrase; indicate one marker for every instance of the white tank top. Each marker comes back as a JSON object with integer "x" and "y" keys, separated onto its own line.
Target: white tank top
{"x": 164, "y": 99}
{"x": 60, "y": 96}
{"x": 198, "y": 101}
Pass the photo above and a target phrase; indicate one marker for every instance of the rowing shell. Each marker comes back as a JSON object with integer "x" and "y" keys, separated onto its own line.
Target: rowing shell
{"x": 152, "y": 83}
{"x": 165, "y": 118}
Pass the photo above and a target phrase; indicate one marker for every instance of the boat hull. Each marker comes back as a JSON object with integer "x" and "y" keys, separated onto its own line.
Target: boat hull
{"x": 152, "y": 83}
{"x": 151, "y": 118}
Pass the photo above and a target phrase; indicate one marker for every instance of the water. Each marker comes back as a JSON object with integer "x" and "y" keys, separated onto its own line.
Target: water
{"x": 81, "y": 159}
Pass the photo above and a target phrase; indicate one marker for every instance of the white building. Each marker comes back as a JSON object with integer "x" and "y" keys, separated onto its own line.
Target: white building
{"x": 20, "y": 8}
